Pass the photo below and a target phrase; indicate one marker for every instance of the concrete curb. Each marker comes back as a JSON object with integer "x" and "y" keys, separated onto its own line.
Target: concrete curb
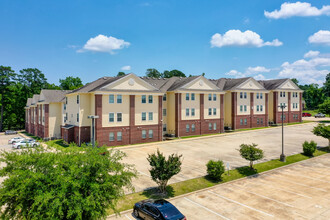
{"x": 229, "y": 182}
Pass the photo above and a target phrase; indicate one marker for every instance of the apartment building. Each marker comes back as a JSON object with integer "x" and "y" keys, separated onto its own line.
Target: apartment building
{"x": 131, "y": 109}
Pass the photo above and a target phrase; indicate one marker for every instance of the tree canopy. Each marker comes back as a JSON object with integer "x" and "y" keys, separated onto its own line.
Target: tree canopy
{"x": 166, "y": 74}
{"x": 70, "y": 83}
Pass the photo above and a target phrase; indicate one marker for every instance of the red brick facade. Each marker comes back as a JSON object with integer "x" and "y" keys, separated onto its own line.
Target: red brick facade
{"x": 289, "y": 115}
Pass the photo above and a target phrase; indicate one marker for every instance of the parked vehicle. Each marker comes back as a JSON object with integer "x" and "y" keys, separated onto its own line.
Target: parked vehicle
{"x": 306, "y": 114}
{"x": 319, "y": 115}
{"x": 25, "y": 143}
{"x": 8, "y": 132}
{"x": 15, "y": 139}
{"x": 157, "y": 209}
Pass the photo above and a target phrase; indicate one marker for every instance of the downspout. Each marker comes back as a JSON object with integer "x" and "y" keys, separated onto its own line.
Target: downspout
{"x": 79, "y": 120}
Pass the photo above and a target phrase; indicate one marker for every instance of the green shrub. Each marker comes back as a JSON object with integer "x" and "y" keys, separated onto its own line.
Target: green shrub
{"x": 251, "y": 153}
{"x": 215, "y": 169}
{"x": 309, "y": 148}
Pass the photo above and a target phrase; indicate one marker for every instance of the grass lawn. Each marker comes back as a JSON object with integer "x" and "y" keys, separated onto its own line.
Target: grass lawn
{"x": 31, "y": 135}
{"x": 192, "y": 185}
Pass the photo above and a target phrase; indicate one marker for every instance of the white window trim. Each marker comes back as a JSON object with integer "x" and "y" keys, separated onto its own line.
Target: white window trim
{"x": 121, "y": 117}
{"x": 142, "y": 116}
{"x": 149, "y": 116}
{"x": 114, "y": 117}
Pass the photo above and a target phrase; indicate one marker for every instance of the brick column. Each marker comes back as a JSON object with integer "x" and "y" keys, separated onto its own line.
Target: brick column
{"x": 46, "y": 127}
{"x": 37, "y": 121}
{"x": 275, "y": 100}
{"x": 251, "y": 108}
{"x": 222, "y": 114}
{"x": 41, "y": 127}
{"x": 266, "y": 109}
{"x": 201, "y": 113}
{"x": 300, "y": 107}
{"x": 98, "y": 121}
{"x": 177, "y": 113}
{"x": 131, "y": 117}
{"x": 289, "y": 106}
{"x": 160, "y": 118}
{"x": 233, "y": 109}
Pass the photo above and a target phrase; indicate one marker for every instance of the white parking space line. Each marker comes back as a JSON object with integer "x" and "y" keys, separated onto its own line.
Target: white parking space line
{"x": 128, "y": 217}
{"x": 317, "y": 179}
{"x": 195, "y": 203}
{"x": 312, "y": 169}
{"x": 246, "y": 206}
{"x": 311, "y": 187}
{"x": 262, "y": 196}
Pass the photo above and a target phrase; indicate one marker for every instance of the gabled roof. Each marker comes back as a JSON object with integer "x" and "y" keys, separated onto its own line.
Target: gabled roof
{"x": 35, "y": 99}
{"x": 53, "y": 95}
{"x": 28, "y": 102}
{"x": 163, "y": 84}
{"x": 272, "y": 84}
{"x": 232, "y": 84}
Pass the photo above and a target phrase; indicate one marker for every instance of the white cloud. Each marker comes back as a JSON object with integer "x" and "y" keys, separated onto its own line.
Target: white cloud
{"x": 320, "y": 37}
{"x": 257, "y": 69}
{"x": 235, "y": 74}
{"x": 302, "y": 9}
{"x": 239, "y": 38}
{"x": 311, "y": 53}
{"x": 102, "y": 43}
{"x": 259, "y": 77}
{"x": 254, "y": 72}
{"x": 126, "y": 68}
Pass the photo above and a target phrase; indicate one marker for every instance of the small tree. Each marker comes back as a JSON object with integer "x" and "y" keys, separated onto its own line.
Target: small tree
{"x": 215, "y": 169}
{"x": 325, "y": 107}
{"x": 251, "y": 153}
{"x": 163, "y": 170}
{"x": 309, "y": 148}
{"x": 62, "y": 185}
{"x": 322, "y": 130}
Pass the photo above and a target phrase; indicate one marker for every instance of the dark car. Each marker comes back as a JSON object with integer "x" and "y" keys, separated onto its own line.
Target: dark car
{"x": 10, "y": 132}
{"x": 306, "y": 114}
{"x": 157, "y": 209}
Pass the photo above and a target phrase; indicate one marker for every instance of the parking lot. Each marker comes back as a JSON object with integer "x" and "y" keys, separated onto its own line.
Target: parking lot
{"x": 197, "y": 151}
{"x": 298, "y": 191}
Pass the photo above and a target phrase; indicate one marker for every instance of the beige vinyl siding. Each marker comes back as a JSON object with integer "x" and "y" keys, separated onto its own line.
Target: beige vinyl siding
{"x": 55, "y": 119}
{"x": 146, "y": 107}
{"x": 211, "y": 104}
{"x": 227, "y": 108}
{"x": 115, "y": 108}
{"x": 189, "y": 104}
{"x": 243, "y": 102}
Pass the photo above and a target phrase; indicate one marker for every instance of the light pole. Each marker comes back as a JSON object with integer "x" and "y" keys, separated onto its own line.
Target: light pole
{"x": 282, "y": 156}
{"x": 93, "y": 117}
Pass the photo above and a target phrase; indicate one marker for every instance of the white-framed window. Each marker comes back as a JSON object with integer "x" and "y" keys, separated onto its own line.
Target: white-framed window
{"x": 77, "y": 99}
{"x": 261, "y": 108}
{"x": 164, "y": 97}
{"x": 261, "y": 96}
{"x": 210, "y": 126}
{"x": 111, "y": 136}
{"x": 187, "y": 128}
{"x": 192, "y": 96}
{"x": 192, "y": 112}
{"x": 143, "y": 99}
{"x": 66, "y": 100}
{"x": 187, "y": 96}
{"x": 164, "y": 127}
{"x": 241, "y": 108}
{"x": 119, "y": 136}
{"x": 214, "y": 97}
{"x": 187, "y": 111}
{"x": 65, "y": 118}
{"x": 245, "y": 121}
{"x": 144, "y": 116}
{"x": 164, "y": 111}
{"x": 210, "y": 97}
{"x": 193, "y": 127}
{"x": 151, "y": 116}
{"x": 210, "y": 111}
{"x": 214, "y": 126}
{"x": 150, "y": 99}
{"x": 119, "y": 117}
{"x": 111, "y": 117}
{"x": 144, "y": 134}
{"x": 245, "y": 95}
{"x": 151, "y": 133}
{"x": 257, "y": 95}
{"x": 257, "y": 108}
{"x": 64, "y": 107}
{"x": 214, "y": 111}
{"x": 261, "y": 121}
{"x": 77, "y": 117}
{"x": 257, "y": 121}
{"x": 241, "y": 95}
{"x": 119, "y": 99}
{"x": 283, "y": 94}
{"x": 111, "y": 99}
{"x": 245, "y": 108}
{"x": 241, "y": 121}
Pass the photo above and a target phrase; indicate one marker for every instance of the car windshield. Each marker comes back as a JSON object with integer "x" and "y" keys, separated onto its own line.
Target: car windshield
{"x": 170, "y": 212}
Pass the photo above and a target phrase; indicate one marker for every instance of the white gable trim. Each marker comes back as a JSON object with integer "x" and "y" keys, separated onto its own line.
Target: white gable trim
{"x": 288, "y": 80}
{"x": 247, "y": 81}
{"x": 195, "y": 80}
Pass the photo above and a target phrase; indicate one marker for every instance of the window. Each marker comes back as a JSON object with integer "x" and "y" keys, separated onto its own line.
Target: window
{"x": 164, "y": 127}
{"x": 257, "y": 108}
{"x": 260, "y": 95}
{"x": 192, "y": 112}
{"x": 164, "y": 97}
{"x": 77, "y": 117}
{"x": 151, "y": 133}
{"x": 245, "y": 108}
{"x": 164, "y": 112}
{"x": 257, "y": 95}
{"x": 64, "y": 107}
{"x": 119, "y": 136}
{"x": 245, "y": 95}
{"x": 214, "y": 97}
{"x": 77, "y": 99}
{"x": 283, "y": 117}
{"x": 187, "y": 128}
{"x": 150, "y": 98}
{"x": 187, "y": 111}
{"x": 111, "y": 136}
{"x": 111, "y": 117}
{"x": 119, "y": 99}
{"x": 241, "y": 95}
{"x": 210, "y": 111}
{"x": 210, "y": 97}
{"x": 111, "y": 99}
{"x": 241, "y": 108}
{"x": 214, "y": 111}
{"x": 65, "y": 119}
{"x": 187, "y": 96}
{"x": 144, "y": 116}
{"x": 257, "y": 121}
{"x": 261, "y": 108}
{"x": 192, "y": 96}
{"x": 245, "y": 121}
{"x": 151, "y": 116}
{"x": 261, "y": 121}
{"x": 210, "y": 126}
{"x": 241, "y": 122}
{"x": 193, "y": 127}
{"x": 215, "y": 126}
{"x": 281, "y": 94}
{"x": 143, "y": 99}
{"x": 66, "y": 100}
{"x": 119, "y": 117}
{"x": 144, "y": 134}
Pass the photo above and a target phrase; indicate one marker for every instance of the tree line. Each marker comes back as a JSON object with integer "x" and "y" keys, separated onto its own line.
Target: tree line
{"x": 17, "y": 87}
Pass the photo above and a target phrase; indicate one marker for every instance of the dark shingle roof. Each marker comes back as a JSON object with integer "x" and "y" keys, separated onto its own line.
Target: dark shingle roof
{"x": 35, "y": 99}
{"x": 160, "y": 83}
{"x": 28, "y": 102}
{"x": 272, "y": 84}
{"x": 53, "y": 95}
{"x": 179, "y": 82}
{"x": 92, "y": 86}
{"x": 228, "y": 83}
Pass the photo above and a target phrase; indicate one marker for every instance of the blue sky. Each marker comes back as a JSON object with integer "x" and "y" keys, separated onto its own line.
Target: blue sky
{"x": 72, "y": 38}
